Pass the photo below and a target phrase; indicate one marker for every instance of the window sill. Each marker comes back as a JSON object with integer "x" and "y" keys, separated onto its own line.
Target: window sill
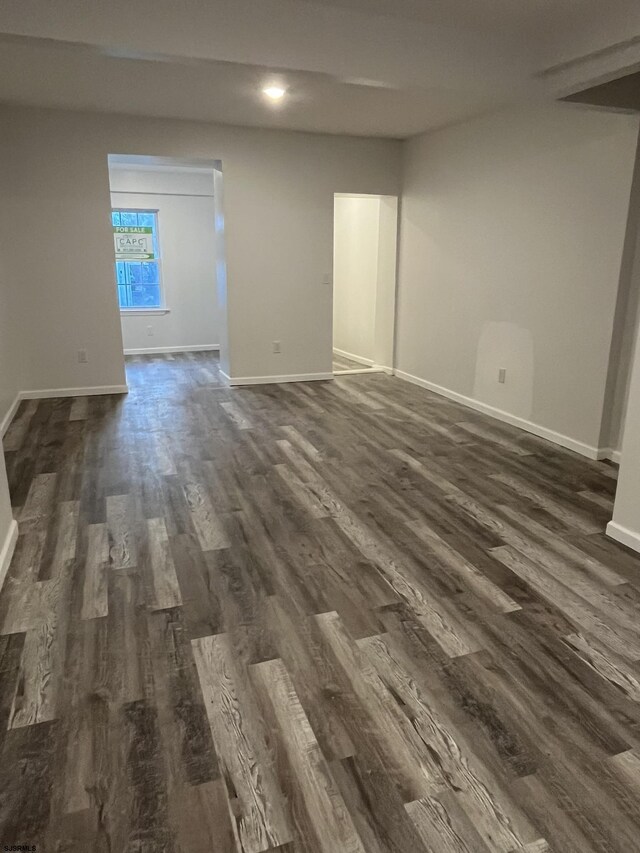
{"x": 129, "y": 311}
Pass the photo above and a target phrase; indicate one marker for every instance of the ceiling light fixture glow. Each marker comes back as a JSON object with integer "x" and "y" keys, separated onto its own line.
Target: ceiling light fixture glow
{"x": 275, "y": 93}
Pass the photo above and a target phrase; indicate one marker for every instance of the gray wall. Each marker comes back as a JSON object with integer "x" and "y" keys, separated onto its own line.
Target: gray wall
{"x": 512, "y": 235}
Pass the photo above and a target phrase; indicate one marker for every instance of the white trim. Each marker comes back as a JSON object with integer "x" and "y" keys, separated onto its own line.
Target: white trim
{"x": 272, "y": 380}
{"x": 8, "y": 547}
{"x": 126, "y": 312}
{"x": 542, "y": 432}
{"x": 622, "y": 534}
{"x": 158, "y": 350}
{"x": 131, "y": 164}
{"x": 610, "y": 453}
{"x": 45, "y": 393}
{"x": 591, "y": 69}
{"x": 357, "y": 371}
{"x": 164, "y": 193}
{"x": 352, "y": 357}
{"x": 6, "y": 421}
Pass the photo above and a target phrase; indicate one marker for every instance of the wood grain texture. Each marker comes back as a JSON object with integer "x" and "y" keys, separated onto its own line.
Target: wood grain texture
{"x": 329, "y": 617}
{"x": 95, "y": 599}
{"x": 317, "y": 795}
{"x": 238, "y": 735}
{"x": 164, "y": 581}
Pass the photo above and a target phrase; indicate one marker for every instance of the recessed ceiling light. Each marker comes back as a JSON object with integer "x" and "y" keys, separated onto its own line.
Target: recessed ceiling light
{"x": 274, "y": 92}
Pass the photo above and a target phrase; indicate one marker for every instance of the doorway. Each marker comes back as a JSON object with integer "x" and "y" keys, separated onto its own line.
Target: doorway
{"x": 163, "y": 220}
{"x": 364, "y": 282}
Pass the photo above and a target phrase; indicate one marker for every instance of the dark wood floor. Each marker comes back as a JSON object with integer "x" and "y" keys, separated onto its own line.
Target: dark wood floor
{"x": 342, "y": 616}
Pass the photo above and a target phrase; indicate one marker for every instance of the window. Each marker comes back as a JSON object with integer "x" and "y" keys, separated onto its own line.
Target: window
{"x": 138, "y": 274}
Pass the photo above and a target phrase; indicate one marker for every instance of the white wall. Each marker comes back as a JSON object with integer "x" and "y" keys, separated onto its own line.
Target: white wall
{"x": 8, "y": 528}
{"x": 364, "y": 271}
{"x": 625, "y": 326}
{"x": 186, "y": 228}
{"x": 384, "y": 334}
{"x": 355, "y": 275}
{"x": 512, "y": 233}
{"x": 10, "y": 378}
{"x": 10, "y": 356}
{"x": 625, "y": 525}
{"x": 278, "y": 218}
{"x": 11, "y": 375}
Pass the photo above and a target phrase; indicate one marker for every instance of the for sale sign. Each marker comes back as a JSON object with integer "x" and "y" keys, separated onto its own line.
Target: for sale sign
{"x": 133, "y": 243}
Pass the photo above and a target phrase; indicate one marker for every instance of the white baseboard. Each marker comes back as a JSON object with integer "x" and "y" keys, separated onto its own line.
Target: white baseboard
{"x": 359, "y": 371}
{"x": 6, "y": 421}
{"x": 159, "y": 350}
{"x": 8, "y": 547}
{"x": 528, "y": 426}
{"x": 271, "y": 380}
{"x": 352, "y": 357}
{"x": 623, "y": 535}
{"x": 92, "y": 391}
{"x": 609, "y": 453}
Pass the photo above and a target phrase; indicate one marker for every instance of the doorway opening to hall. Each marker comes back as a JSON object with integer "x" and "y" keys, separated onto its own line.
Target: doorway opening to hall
{"x": 364, "y": 282}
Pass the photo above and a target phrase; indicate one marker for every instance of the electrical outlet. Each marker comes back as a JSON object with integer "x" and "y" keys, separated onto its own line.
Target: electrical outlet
{"x": 502, "y": 375}
{"x": 83, "y": 358}
{"x": 276, "y": 346}
{"x": 150, "y": 331}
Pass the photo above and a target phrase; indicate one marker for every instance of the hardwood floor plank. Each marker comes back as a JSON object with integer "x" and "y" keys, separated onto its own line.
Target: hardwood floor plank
{"x": 19, "y": 426}
{"x": 122, "y": 539}
{"x": 209, "y": 528}
{"x": 494, "y": 437}
{"x": 258, "y": 805}
{"x": 164, "y": 581}
{"x": 313, "y": 677}
{"x": 409, "y": 763}
{"x": 609, "y": 666}
{"x": 496, "y": 817}
{"x": 60, "y": 545}
{"x": 616, "y": 637}
{"x": 95, "y": 602}
{"x": 79, "y": 409}
{"x": 469, "y": 574}
{"x": 236, "y": 416}
{"x": 310, "y": 779}
{"x": 443, "y": 825}
{"x": 35, "y": 698}
{"x": 40, "y": 499}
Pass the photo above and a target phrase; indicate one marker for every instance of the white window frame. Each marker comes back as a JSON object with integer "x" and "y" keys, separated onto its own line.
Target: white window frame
{"x": 162, "y": 308}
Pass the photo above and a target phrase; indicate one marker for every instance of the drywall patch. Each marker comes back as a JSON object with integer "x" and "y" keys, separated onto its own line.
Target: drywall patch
{"x": 509, "y": 347}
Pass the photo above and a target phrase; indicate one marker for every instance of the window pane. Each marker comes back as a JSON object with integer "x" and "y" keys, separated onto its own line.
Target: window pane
{"x": 138, "y": 283}
{"x": 134, "y": 272}
{"x": 124, "y": 296}
{"x": 145, "y": 296}
{"x": 150, "y": 273}
{"x": 147, "y": 220}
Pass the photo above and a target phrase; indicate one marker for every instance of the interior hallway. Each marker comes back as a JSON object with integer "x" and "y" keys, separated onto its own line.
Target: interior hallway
{"x": 341, "y": 616}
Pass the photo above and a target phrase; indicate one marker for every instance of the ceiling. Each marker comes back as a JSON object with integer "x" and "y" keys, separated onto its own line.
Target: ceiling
{"x": 366, "y": 67}
{"x": 483, "y": 15}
